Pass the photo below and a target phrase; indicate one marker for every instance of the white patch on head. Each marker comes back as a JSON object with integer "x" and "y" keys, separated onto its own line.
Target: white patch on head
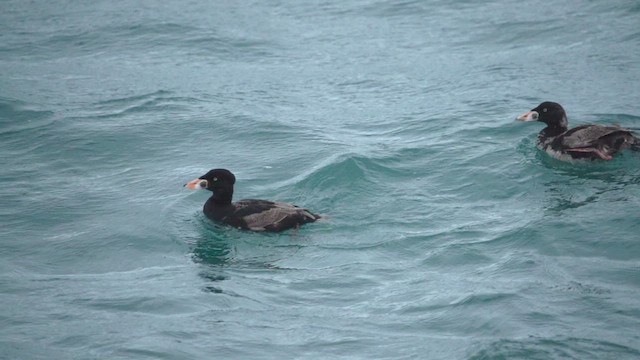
{"x": 199, "y": 184}
{"x": 530, "y": 116}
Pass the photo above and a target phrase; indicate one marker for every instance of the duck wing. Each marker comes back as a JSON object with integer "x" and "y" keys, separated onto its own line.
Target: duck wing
{"x": 265, "y": 215}
{"x": 594, "y": 141}
{"x": 588, "y": 135}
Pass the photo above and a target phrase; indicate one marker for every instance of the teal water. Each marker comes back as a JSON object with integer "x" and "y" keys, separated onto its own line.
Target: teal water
{"x": 449, "y": 236}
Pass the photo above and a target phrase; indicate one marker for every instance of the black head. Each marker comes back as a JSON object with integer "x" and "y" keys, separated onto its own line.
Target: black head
{"x": 548, "y": 112}
{"x": 219, "y": 178}
{"x": 219, "y": 181}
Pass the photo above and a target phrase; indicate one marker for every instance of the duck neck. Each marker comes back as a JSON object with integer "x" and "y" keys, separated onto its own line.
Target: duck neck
{"x": 221, "y": 198}
{"x": 217, "y": 206}
{"x": 553, "y": 130}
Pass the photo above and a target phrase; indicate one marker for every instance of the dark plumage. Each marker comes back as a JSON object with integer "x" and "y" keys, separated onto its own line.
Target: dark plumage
{"x": 248, "y": 214}
{"x": 585, "y": 142}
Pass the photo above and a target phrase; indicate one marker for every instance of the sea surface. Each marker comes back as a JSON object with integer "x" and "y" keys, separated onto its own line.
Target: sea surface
{"x": 447, "y": 234}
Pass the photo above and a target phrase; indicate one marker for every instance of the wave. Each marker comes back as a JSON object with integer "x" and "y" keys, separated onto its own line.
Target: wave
{"x": 161, "y": 100}
{"x": 133, "y": 38}
{"x": 17, "y": 116}
{"x": 559, "y": 347}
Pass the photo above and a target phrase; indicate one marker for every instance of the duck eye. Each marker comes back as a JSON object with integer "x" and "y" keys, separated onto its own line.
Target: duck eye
{"x": 215, "y": 179}
{"x": 544, "y": 110}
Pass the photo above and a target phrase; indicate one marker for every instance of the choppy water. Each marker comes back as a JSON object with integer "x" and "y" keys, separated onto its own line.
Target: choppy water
{"x": 450, "y": 236}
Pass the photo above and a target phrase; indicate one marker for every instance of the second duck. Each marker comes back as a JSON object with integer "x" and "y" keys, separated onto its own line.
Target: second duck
{"x": 585, "y": 142}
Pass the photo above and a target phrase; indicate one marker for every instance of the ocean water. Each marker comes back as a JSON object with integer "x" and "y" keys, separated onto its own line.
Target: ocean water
{"x": 448, "y": 234}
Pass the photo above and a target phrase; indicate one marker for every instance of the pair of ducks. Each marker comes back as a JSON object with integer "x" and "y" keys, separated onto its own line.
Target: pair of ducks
{"x": 586, "y": 142}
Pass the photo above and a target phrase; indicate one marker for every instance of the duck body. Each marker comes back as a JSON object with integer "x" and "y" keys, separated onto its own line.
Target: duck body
{"x": 585, "y": 142}
{"x": 247, "y": 214}
{"x": 259, "y": 215}
{"x": 588, "y": 142}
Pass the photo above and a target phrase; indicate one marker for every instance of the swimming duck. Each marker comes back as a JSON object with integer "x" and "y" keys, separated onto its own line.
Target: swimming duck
{"x": 585, "y": 142}
{"x": 248, "y": 214}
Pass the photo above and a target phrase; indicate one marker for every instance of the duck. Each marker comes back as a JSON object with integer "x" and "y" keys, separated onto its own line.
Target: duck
{"x": 584, "y": 142}
{"x": 248, "y": 214}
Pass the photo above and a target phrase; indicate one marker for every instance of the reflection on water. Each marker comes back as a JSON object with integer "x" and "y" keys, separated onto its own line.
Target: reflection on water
{"x": 212, "y": 245}
{"x": 577, "y": 185}
{"x": 212, "y": 248}
{"x": 222, "y": 250}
